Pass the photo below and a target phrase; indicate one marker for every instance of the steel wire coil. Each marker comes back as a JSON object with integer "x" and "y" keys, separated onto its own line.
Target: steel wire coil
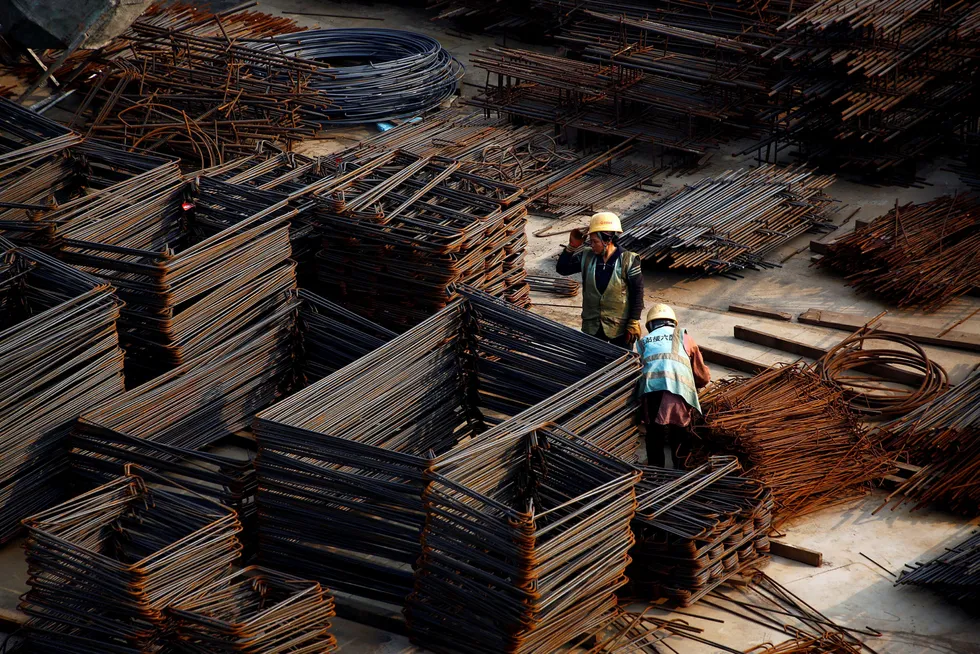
{"x": 104, "y": 566}
{"x": 255, "y": 610}
{"x": 403, "y": 74}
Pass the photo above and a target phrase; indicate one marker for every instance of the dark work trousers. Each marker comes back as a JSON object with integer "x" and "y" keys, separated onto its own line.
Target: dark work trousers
{"x": 619, "y": 340}
{"x": 659, "y": 436}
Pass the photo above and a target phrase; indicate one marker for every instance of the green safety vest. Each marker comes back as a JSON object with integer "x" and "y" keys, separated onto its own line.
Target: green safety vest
{"x": 610, "y": 309}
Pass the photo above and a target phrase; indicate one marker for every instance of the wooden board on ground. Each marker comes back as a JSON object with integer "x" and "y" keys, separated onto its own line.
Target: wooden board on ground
{"x": 795, "y": 553}
{"x": 731, "y": 361}
{"x": 956, "y": 339}
{"x": 371, "y": 613}
{"x": 762, "y": 312}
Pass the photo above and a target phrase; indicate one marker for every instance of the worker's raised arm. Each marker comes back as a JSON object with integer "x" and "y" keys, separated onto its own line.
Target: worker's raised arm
{"x": 569, "y": 262}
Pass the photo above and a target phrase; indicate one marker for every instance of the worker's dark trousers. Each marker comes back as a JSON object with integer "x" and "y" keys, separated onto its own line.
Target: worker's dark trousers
{"x": 619, "y": 340}
{"x": 659, "y": 436}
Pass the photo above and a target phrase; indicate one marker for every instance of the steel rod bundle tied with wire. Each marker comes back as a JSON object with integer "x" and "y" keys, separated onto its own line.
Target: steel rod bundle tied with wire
{"x": 59, "y": 356}
{"x": 341, "y": 463}
{"x": 943, "y": 437}
{"x": 794, "y": 432}
{"x": 560, "y": 286}
{"x": 255, "y": 610}
{"x": 955, "y": 573}
{"x": 695, "y": 530}
{"x": 104, "y": 566}
{"x": 526, "y": 540}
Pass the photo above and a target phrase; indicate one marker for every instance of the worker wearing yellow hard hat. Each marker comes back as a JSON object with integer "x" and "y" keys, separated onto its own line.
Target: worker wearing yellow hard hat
{"x": 673, "y": 372}
{"x": 612, "y": 282}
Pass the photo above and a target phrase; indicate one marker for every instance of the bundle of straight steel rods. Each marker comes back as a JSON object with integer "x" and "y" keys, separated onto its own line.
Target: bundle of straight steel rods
{"x": 943, "y": 437}
{"x": 955, "y": 573}
{"x": 731, "y": 222}
{"x": 795, "y": 433}
{"x": 917, "y": 255}
{"x": 59, "y": 355}
{"x": 559, "y": 286}
{"x": 255, "y": 610}
{"x": 526, "y": 540}
{"x": 195, "y": 263}
{"x": 103, "y": 567}
{"x": 341, "y": 463}
{"x": 695, "y": 530}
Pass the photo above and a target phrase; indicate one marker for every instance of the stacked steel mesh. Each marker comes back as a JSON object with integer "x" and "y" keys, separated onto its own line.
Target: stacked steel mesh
{"x": 526, "y": 540}
{"x": 943, "y": 437}
{"x": 341, "y": 463}
{"x": 731, "y": 222}
{"x": 694, "y": 530}
{"x": 955, "y": 573}
{"x": 795, "y": 433}
{"x": 103, "y": 567}
{"x": 255, "y": 610}
{"x": 917, "y": 255}
{"x": 59, "y": 355}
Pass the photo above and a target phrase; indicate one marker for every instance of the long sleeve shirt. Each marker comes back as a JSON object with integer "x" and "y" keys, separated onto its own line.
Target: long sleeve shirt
{"x": 570, "y": 263}
{"x": 665, "y": 408}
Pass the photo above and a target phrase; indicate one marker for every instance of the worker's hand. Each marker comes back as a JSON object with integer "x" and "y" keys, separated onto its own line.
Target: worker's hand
{"x": 633, "y": 332}
{"x": 576, "y": 239}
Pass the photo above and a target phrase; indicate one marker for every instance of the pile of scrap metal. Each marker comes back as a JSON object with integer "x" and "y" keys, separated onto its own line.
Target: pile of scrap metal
{"x": 917, "y": 255}
{"x": 342, "y": 463}
{"x": 59, "y": 355}
{"x": 794, "y": 432}
{"x": 525, "y": 543}
{"x": 943, "y": 437}
{"x": 725, "y": 224}
{"x": 955, "y": 573}
{"x": 178, "y": 423}
{"x": 695, "y": 530}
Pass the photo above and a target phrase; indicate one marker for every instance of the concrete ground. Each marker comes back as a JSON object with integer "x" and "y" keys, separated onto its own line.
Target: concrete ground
{"x": 847, "y": 587}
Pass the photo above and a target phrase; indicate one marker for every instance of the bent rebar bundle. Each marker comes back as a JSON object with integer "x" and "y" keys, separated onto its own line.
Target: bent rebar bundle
{"x": 526, "y": 540}
{"x": 955, "y": 573}
{"x": 255, "y": 610}
{"x": 103, "y": 567}
{"x": 59, "y": 355}
{"x": 341, "y": 463}
{"x": 695, "y": 530}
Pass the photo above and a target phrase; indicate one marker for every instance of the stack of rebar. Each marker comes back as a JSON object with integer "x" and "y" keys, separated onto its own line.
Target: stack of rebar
{"x": 255, "y": 610}
{"x": 526, "y": 541}
{"x": 943, "y": 437}
{"x": 695, "y": 530}
{"x": 725, "y": 224}
{"x": 341, "y": 463}
{"x": 105, "y": 566}
{"x": 59, "y": 355}
{"x": 955, "y": 573}
{"x": 795, "y": 433}
{"x": 917, "y": 255}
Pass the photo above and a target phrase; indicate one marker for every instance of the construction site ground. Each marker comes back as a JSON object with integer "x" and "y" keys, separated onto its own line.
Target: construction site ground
{"x": 848, "y": 587}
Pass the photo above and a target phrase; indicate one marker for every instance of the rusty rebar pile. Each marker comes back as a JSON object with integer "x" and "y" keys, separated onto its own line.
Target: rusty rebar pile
{"x": 943, "y": 437}
{"x": 795, "y": 433}
{"x": 731, "y": 222}
{"x": 917, "y": 255}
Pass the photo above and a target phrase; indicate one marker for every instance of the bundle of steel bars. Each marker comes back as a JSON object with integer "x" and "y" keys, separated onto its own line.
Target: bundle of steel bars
{"x": 917, "y": 255}
{"x": 174, "y": 424}
{"x": 795, "y": 433}
{"x": 341, "y": 463}
{"x": 103, "y": 567}
{"x": 955, "y": 573}
{"x": 943, "y": 437}
{"x": 195, "y": 262}
{"x": 255, "y": 610}
{"x": 729, "y": 223}
{"x": 695, "y": 530}
{"x": 59, "y": 355}
{"x": 559, "y": 286}
{"x": 526, "y": 541}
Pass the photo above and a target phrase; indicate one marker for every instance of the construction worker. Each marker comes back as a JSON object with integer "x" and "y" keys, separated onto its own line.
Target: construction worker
{"x": 673, "y": 372}
{"x": 612, "y": 281}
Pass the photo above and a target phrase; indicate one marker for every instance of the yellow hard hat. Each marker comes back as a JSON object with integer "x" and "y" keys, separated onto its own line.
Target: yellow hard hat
{"x": 605, "y": 221}
{"x": 661, "y": 312}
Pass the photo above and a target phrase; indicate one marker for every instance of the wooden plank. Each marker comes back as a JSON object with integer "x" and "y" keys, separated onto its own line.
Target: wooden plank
{"x": 849, "y": 322}
{"x": 370, "y": 613}
{"x": 891, "y": 373}
{"x": 11, "y": 620}
{"x": 731, "y": 361}
{"x": 795, "y": 553}
{"x": 762, "y": 312}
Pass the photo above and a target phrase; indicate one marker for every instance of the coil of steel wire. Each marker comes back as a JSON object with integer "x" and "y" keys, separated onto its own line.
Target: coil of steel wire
{"x": 399, "y": 74}
{"x": 869, "y": 397}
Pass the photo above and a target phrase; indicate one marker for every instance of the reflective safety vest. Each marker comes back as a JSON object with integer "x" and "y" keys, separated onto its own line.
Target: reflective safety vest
{"x": 667, "y": 366}
{"x": 610, "y": 309}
